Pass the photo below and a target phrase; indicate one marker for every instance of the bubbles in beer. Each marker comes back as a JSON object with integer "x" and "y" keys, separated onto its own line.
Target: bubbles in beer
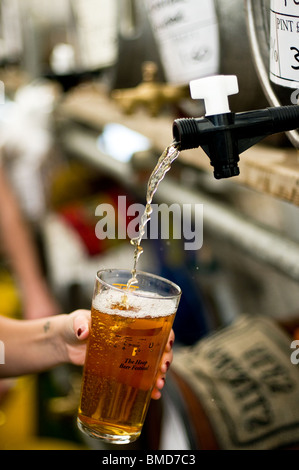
{"x": 111, "y": 302}
{"x": 122, "y": 360}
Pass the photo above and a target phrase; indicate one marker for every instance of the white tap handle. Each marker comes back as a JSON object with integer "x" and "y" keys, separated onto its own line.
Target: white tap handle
{"x": 215, "y": 91}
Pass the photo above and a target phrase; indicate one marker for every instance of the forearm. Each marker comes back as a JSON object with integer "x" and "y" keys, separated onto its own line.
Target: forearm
{"x": 31, "y": 346}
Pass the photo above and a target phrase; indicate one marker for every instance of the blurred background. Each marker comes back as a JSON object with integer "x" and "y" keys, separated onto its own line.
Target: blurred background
{"x": 90, "y": 90}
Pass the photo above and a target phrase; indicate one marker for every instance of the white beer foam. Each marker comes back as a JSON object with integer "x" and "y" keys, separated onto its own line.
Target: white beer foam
{"x": 138, "y": 307}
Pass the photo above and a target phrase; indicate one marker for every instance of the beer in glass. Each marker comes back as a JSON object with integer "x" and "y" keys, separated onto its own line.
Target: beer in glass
{"x": 129, "y": 332}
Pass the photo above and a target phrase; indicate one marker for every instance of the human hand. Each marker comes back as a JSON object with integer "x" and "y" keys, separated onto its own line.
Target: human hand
{"x": 75, "y": 332}
{"x": 166, "y": 361}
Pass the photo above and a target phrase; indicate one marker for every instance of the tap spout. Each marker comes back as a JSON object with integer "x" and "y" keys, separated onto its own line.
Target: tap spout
{"x": 223, "y": 137}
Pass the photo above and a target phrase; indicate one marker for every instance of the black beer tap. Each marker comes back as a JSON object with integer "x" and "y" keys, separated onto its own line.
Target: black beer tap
{"x": 224, "y": 135}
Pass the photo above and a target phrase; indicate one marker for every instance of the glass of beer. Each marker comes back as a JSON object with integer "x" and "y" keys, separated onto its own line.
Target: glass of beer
{"x": 129, "y": 332}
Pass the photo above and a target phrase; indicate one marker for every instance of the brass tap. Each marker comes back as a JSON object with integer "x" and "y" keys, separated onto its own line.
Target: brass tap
{"x": 149, "y": 93}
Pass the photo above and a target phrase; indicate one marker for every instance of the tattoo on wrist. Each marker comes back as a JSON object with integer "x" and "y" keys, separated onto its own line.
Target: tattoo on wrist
{"x": 47, "y": 326}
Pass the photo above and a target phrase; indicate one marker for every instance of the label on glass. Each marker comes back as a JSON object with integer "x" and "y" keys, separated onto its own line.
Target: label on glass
{"x": 187, "y": 35}
{"x": 284, "y": 43}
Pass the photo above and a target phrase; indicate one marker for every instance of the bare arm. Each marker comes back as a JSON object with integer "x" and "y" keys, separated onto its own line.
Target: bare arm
{"x": 33, "y": 346}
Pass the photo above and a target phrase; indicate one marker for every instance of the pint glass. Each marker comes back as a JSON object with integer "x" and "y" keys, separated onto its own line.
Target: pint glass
{"x": 129, "y": 332}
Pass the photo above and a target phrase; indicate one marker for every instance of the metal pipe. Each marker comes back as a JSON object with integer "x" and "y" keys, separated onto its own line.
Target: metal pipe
{"x": 83, "y": 143}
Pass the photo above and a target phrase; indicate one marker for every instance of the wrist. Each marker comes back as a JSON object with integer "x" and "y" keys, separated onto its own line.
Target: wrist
{"x": 59, "y": 337}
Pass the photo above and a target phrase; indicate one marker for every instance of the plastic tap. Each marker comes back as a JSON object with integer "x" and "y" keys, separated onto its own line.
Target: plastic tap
{"x": 224, "y": 135}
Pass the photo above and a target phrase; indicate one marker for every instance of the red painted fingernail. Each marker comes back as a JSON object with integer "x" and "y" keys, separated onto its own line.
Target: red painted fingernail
{"x": 167, "y": 365}
{"x": 171, "y": 343}
{"x": 79, "y": 332}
